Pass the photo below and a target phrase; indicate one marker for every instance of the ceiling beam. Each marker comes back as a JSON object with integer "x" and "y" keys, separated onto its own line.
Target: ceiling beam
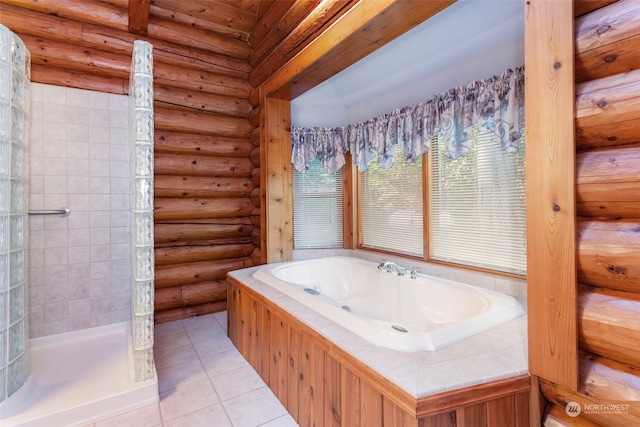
{"x": 139, "y": 16}
{"x": 365, "y": 27}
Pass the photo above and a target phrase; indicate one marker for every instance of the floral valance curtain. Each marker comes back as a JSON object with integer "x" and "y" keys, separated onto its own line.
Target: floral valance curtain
{"x": 495, "y": 104}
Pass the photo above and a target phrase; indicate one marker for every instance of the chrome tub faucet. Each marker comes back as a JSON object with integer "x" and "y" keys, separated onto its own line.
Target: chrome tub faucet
{"x": 392, "y": 267}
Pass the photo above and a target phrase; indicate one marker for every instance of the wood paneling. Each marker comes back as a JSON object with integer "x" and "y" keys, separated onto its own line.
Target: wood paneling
{"x": 550, "y": 159}
{"x": 320, "y": 384}
{"x": 277, "y": 179}
{"x": 608, "y": 230}
{"x": 448, "y": 401}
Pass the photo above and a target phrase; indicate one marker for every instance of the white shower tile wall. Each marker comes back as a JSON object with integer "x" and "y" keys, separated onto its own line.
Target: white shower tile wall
{"x": 79, "y": 266}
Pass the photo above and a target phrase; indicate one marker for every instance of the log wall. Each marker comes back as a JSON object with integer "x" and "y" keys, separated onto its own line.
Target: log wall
{"x": 607, "y": 38}
{"x": 206, "y": 169}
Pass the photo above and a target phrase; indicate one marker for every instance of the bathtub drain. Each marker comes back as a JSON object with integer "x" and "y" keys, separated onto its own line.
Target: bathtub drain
{"x": 399, "y": 328}
{"x": 311, "y": 291}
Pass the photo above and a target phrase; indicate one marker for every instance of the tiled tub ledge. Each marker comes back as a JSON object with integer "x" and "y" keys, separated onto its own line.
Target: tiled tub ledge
{"x": 494, "y": 361}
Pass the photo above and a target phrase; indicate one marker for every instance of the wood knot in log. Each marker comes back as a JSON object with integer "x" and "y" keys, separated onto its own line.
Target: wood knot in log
{"x": 602, "y": 104}
{"x": 615, "y": 269}
{"x": 603, "y": 29}
{"x": 610, "y": 58}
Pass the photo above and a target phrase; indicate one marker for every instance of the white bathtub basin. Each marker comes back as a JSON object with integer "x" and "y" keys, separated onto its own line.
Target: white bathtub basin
{"x": 427, "y": 313}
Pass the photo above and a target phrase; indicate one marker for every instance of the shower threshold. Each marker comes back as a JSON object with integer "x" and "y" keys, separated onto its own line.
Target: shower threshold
{"x": 79, "y": 378}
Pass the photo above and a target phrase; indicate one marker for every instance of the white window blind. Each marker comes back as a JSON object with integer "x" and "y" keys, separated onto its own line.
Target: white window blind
{"x": 317, "y": 208}
{"x": 478, "y": 206}
{"x": 391, "y": 207}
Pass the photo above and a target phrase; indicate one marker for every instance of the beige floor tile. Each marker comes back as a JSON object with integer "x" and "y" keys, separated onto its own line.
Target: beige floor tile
{"x": 254, "y": 408}
{"x": 211, "y": 416}
{"x": 171, "y": 339}
{"x": 167, "y": 328}
{"x": 223, "y": 362}
{"x": 199, "y": 322}
{"x": 234, "y": 383}
{"x": 206, "y": 333}
{"x": 187, "y": 399}
{"x": 222, "y": 319}
{"x": 178, "y": 375}
{"x": 283, "y": 421}
{"x": 208, "y": 348}
{"x": 198, "y": 367}
{"x": 167, "y": 357}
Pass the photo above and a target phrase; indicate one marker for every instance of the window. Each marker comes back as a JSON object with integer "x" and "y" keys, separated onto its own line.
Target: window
{"x": 317, "y": 208}
{"x": 478, "y": 206}
{"x": 391, "y": 207}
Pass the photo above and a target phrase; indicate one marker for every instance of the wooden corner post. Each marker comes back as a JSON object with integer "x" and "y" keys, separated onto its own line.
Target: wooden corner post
{"x": 551, "y": 214}
{"x": 276, "y": 180}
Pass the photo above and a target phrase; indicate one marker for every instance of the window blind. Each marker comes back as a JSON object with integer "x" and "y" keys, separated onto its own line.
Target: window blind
{"x": 317, "y": 208}
{"x": 391, "y": 207}
{"x": 478, "y": 206}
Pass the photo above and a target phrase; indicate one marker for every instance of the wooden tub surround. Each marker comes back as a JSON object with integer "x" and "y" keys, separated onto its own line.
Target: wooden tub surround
{"x": 327, "y": 376}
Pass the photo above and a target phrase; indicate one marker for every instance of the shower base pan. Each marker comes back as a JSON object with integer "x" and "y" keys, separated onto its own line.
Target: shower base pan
{"x": 79, "y": 378}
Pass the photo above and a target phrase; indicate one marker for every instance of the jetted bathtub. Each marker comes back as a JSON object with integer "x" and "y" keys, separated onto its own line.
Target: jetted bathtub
{"x": 425, "y": 313}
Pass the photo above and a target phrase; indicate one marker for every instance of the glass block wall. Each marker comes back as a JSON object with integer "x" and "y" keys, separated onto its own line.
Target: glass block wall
{"x": 15, "y": 65}
{"x": 141, "y": 134}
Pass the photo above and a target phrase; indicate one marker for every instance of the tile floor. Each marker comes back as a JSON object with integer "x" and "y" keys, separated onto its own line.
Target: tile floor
{"x": 204, "y": 381}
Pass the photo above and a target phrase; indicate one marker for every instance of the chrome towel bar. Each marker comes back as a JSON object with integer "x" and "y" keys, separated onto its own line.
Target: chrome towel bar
{"x": 60, "y": 212}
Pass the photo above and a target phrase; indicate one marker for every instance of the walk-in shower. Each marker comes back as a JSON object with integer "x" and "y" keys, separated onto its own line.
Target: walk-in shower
{"x": 85, "y": 373}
